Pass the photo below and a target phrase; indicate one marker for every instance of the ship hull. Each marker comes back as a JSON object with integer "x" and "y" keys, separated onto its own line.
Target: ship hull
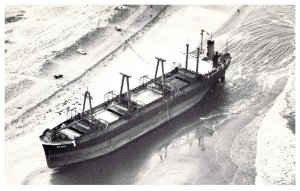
{"x": 166, "y": 109}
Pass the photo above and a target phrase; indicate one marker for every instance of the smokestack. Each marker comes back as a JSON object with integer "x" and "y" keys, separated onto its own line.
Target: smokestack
{"x": 187, "y": 56}
{"x": 215, "y": 60}
{"x": 210, "y": 49}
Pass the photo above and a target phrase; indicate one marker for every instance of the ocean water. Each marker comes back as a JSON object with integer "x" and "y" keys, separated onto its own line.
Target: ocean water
{"x": 263, "y": 75}
{"x": 235, "y": 135}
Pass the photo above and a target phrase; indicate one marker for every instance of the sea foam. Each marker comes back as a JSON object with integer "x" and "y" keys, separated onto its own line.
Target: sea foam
{"x": 275, "y": 160}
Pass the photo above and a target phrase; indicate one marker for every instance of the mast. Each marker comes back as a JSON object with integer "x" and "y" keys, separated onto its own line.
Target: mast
{"x": 197, "y": 64}
{"x": 187, "y": 56}
{"x": 202, "y": 31}
{"x": 160, "y": 60}
{"x": 88, "y": 96}
{"x": 128, "y": 89}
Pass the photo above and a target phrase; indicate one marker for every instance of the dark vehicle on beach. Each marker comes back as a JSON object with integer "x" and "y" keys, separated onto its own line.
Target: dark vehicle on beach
{"x": 57, "y": 76}
{"x": 118, "y": 28}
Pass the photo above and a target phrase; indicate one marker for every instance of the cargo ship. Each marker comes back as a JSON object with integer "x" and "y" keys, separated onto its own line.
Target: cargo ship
{"x": 126, "y": 116}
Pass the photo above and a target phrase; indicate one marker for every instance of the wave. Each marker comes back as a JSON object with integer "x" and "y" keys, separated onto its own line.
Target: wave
{"x": 275, "y": 160}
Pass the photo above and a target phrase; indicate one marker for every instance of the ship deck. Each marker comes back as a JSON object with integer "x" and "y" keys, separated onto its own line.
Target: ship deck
{"x": 117, "y": 108}
{"x": 142, "y": 96}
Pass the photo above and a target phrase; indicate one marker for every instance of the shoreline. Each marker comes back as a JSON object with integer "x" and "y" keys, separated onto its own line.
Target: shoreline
{"x": 276, "y": 144}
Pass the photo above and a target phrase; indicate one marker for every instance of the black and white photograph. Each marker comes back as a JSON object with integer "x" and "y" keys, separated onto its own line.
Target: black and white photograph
{"x": 127, "y": 93}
